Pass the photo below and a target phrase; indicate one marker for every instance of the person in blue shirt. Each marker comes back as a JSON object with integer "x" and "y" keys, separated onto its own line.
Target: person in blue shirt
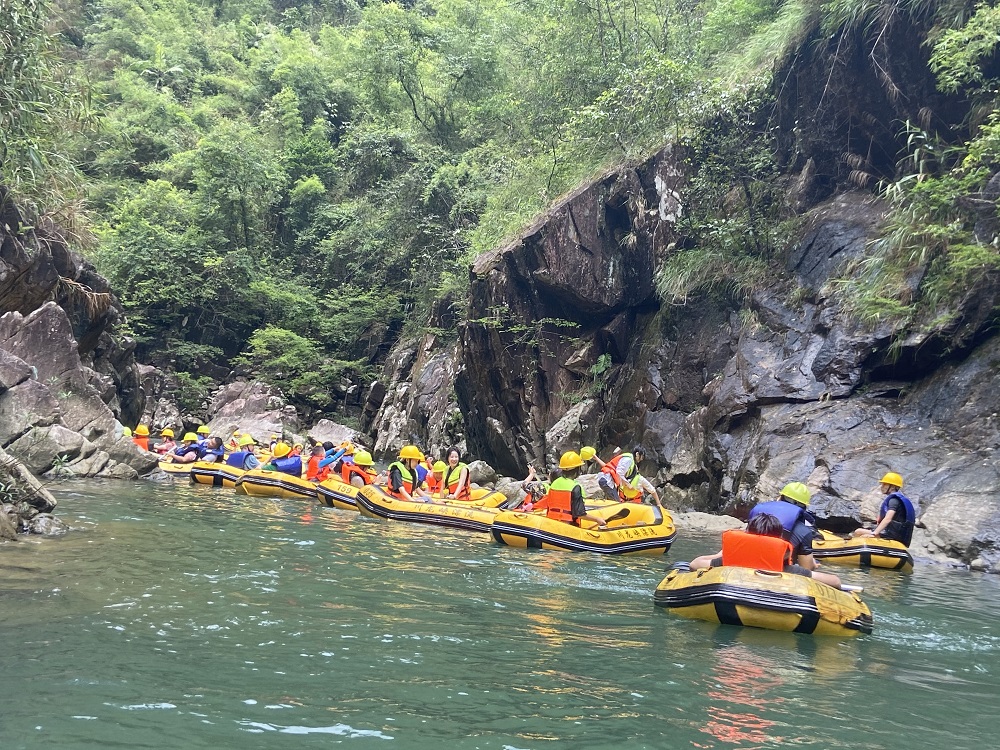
{"x": 283, "y": 462}
{"x": 246, "y": 457}
{"x": 212, "y": 450}
{"x": 896, "y": 516}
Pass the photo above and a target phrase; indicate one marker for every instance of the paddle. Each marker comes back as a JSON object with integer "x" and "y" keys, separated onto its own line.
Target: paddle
{"x": 850, "y": 588}
{"x": 620, "y": 514}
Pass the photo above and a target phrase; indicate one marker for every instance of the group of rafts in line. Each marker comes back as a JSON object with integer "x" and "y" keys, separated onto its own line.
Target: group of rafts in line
{"x": 759, "y": 592}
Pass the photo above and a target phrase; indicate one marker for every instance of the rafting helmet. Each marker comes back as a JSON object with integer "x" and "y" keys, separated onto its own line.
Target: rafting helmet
{"x": 203, "y": 430}
{"x": 587, "y": 452}
{"x": 363, "y": 458}
{"x": 894, "y": 479}
{"x": 166, "y": 432}
{"x": 142, "y": 431}
{"x": 411, "y": 451}
{"x": 126, "y": 432}
{"x": 281, "y": 450}
{"x": 246, "y": 440}
{"x": 439, "y": 467}
{"x": 797, "y": 493}
{"x": 190, "y": 437}
{"x": 570, "y": 460}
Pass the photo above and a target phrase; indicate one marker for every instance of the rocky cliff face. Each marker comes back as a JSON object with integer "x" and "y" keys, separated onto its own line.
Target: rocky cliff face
{"x": 565, "y": 342}
{"x": 66, "y": 383}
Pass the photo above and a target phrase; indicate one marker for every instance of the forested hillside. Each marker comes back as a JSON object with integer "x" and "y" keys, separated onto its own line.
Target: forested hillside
{"x": 287, "y": 187}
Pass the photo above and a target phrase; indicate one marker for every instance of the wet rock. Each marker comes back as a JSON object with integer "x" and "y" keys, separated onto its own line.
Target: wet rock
{"x": 47, "y": 525}
{"x": 8, "y": 526}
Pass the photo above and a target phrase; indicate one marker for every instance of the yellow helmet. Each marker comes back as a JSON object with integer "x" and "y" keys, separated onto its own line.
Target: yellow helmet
{"x": 894, "y": 479}
{"x": 587, "y": 452}
{"x": 796, "y": 492}
{"x": 281, "y": 450}
{"x": 411, "y": 451}
{"x": 126, "y": 432}
{"x": 203, "y": 430}
{"x": 142, "y": 430}
{"x": 439, "y": 466}
{"x": 167, "y": 432}
{"x": 247, "y": 439}
{"x": 363, "y": 458}
{"x": 190, "y": 437}
{"x": 570, "y": 460}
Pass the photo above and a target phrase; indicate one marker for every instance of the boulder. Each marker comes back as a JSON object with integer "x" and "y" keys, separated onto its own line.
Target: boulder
{"x": 8, "y": 527}
{"x": 482, "y": 473}
{"x": 325, "y": 430}
{"x": 252, "y": 407}
{"x": 46, "y": 524}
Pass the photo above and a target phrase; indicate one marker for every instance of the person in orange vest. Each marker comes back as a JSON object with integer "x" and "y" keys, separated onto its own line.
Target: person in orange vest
{"x": 620, "y": 478}
{"x": 313, "y": 471}
{"x": 361, "y": 472}
{"x": 761, "y": 547}
{"x": 435, "y": 478}
{"x": 564, "y": 500}
{"x": 141, "y": 437}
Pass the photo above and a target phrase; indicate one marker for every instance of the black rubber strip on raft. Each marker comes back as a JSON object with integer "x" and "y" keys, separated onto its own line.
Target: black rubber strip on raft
{"x": 808, "y": 622}
{"x": 577, "y": 545}
{"x": 692, "y": 596}
{"x": 727, "y": 614}
{"x": 866, "y": 559}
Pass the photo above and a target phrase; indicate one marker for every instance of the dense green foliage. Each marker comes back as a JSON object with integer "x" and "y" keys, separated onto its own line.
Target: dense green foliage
{"x": 288, "y": 186}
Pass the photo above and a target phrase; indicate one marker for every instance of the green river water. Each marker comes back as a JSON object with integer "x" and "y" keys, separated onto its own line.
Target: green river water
{"x": 175, "y": 616}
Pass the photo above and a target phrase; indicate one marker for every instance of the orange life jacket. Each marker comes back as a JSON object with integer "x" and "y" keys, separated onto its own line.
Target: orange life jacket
{"x": 434, "y": 485}
{"x": 353, "y": 470}
{"x": 313, "y": 472}
{"x": 746, "y": 550}
{"x": 558, "y": 502}
{"x": 626, "y": 490}
{"x": 142, "y": 441}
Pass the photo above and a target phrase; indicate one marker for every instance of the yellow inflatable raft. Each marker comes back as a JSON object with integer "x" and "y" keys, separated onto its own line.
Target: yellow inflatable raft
{"x": 633, "y": 529}
{"x": 260, "y": 483}
{"x": 335, "y": 493}
{"x": 474, "y": 515}
{"x": 763, "y": 599}
{"x": 215, "y": 474}
{"x": 863, "y": 552}
{"x": 175, "y": 470}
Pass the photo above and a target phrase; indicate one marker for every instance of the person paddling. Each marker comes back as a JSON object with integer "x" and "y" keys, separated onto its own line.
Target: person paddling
{"x": 564, "y": 500}
{"x": 620, "y": 478}
{"x": 896, "y": 516}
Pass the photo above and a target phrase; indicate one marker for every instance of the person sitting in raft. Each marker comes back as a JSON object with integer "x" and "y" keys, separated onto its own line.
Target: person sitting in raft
{"x": 233, "y": 444}
{"x": 564, "y": 500}
{"x": 435, "y": 479}
{"x": 283, "y": 462}
{"x": 403, "y": 483}
{"x": 212, "y": 450}
{"x": 297, "y": 449}
{"x": 535, "y": 490}
{"x": 361, "y": 472}
{"x": 791, "y": 508}
{"x": 141, "y": 437}
{"x": 246, "y": 457}
{"x": 313, "y": 471}
{"x": 274, "y": 442}
{"x": 167, "y": 444}
{"x": 896, "y": 516}
{"x": 620, "y": 478}
{"x": 203, "y": 433}
{"x": 188, "y": 451}
{"x": 337, "y": 456}
{"x": 761, "y": 547}
{"x": 456, "y": 476}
